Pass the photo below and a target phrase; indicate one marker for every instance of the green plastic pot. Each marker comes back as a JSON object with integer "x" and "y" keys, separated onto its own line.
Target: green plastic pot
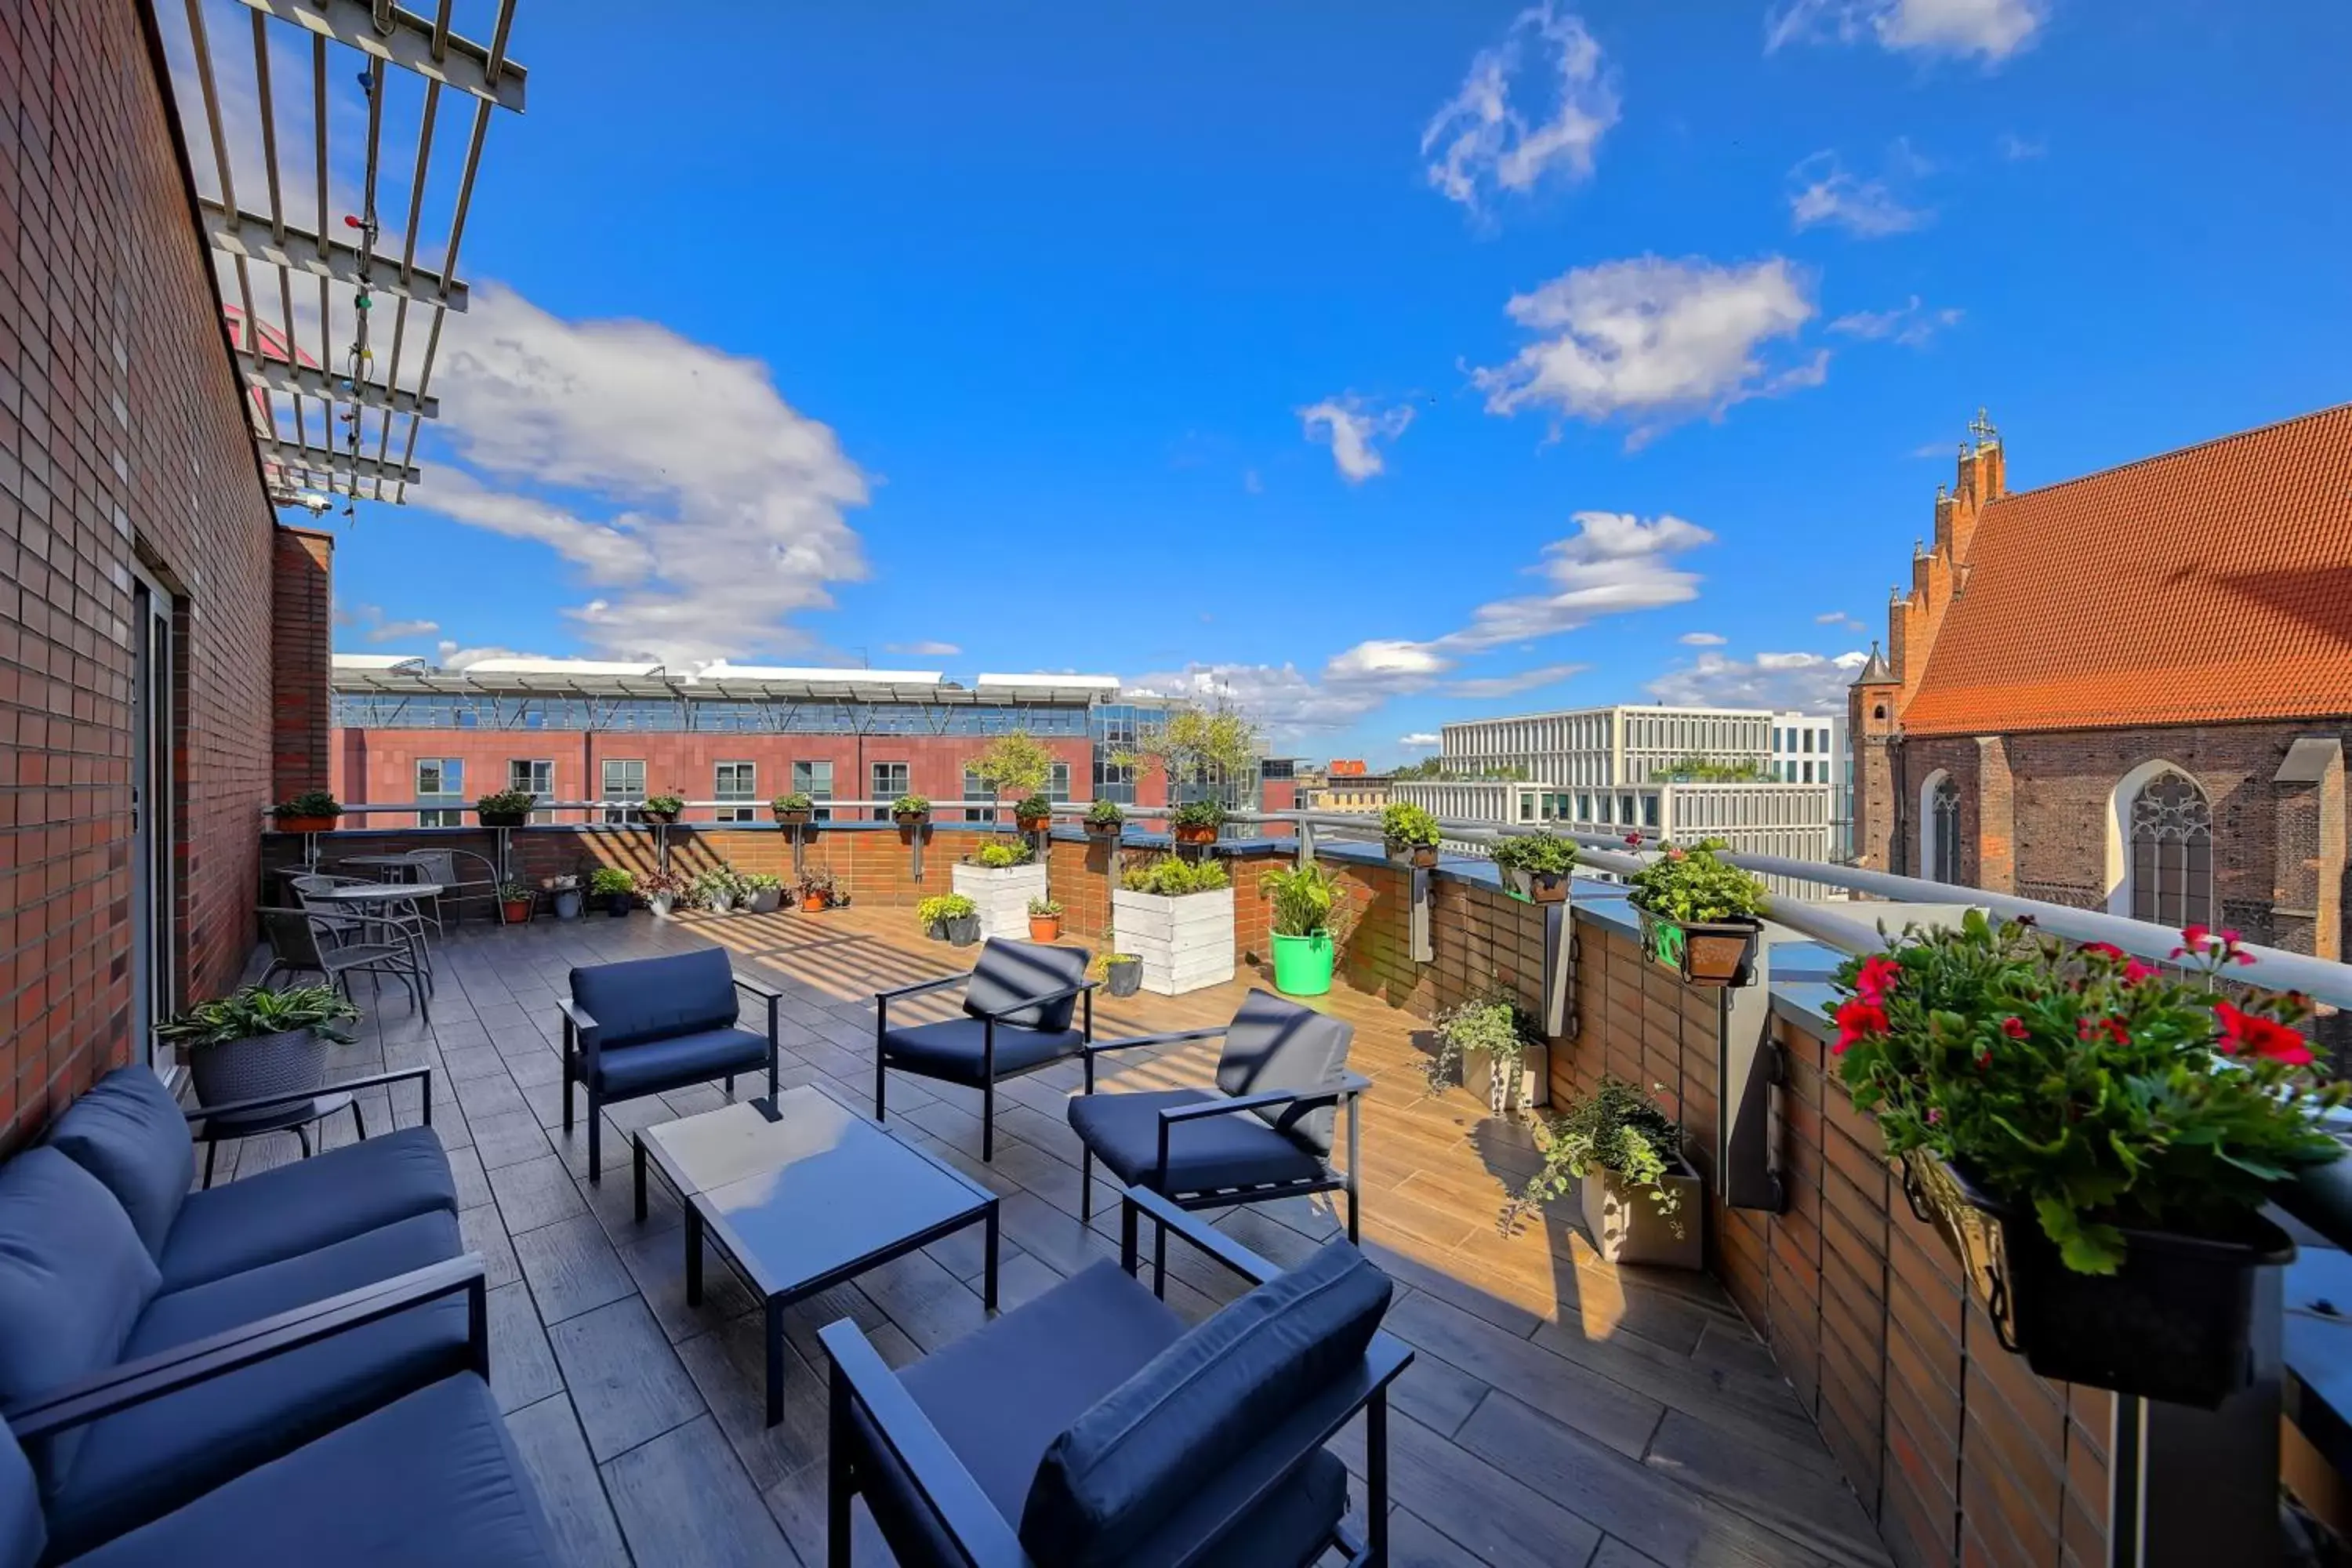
{"x": 1302, "y": 964}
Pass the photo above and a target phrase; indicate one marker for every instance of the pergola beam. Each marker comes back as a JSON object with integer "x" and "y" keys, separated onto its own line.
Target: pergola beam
{"x": 252, "y": 236}
{"x": 461, "y": 64}
{"x": 310, "y": 381}
{"x": 296, "y": 458}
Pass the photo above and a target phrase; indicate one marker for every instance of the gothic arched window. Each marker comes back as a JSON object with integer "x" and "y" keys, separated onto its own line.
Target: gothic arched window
{"x": 2171, "y": 852}
{"x": 1944, "y": 832}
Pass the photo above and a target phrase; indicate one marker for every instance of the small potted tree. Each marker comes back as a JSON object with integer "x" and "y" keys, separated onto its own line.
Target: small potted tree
{"x": 1196, "y": 822}
{"x": 1177, "y": 916}
{"x": 564, "y": 892}
{"x": 617, "y": 885}
{"x": 1120, "y": 973}
{"x": 1700, "y": 914}
{"x": 1015, "y": 764}
{"x": 911, "y": 812}
{"x": 1496, "y": 1048}
{"x": 818, "y": 886}
{"x": 1001, "y": 875}
{"x": 2094, "y": 1138}
{"x": 661, "y": 891}
{"x": 255, "y": 1042}
{"x": 1044, "y": 921}
{"x": 1104, "y": 821}
{"x": 1535, "y": 866}
{"x": 516, "y": 900}
{"x": 762, "y": 892}
{"x": 1409, "y": 835}
{"x": 793, "y": 810}
{"x": 662, "y": 809}
{"x": 505, "y": 808}
{"x": 313, "y": 811}
{"x": 1307, "y": 899}
{"x": 1641, "y": 1200}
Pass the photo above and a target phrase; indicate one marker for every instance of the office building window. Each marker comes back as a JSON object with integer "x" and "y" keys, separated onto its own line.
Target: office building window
{"x": 815, "y": 780}
{"x": 441, "y": 779}
{"x": 1625, "y": 809}
{"x": 1649, "y": 811}
{"x": 888, "y": 782}
{"x": 536, "y": 777}
{"x": 734, "y": 781}
{"x": 974, "y": 789}
{"x": 624, "y": 780}
{"x": 1057, "y": 782}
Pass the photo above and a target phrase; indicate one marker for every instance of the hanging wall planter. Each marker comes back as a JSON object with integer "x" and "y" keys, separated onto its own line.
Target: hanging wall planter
{"x": 911, "y": 812}
{"x": 1699, "y": 915}
{"x": 794, "y": 810}
{"x": 1104, "y": 821}
{"x": 1196, "y": 822}
{"x": 1710, "y": 953}
{"x": 1535, "y": 866}
{"x": 314, "y": 811}
{"x": 1034, "y": 814}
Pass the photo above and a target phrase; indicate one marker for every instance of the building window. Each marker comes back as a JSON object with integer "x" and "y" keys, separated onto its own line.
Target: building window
{"x": 1944, "y": 833}
{"x": 624, "y": 780}
{"x": 535, "y": 777}
{"x": 976, "y": 789}
{"x": 1807, "y": 774}
{"x": 1057, "y": 782}
{"x": 1584, "y": 808}
{"x": 733, "y": 782}
{"x": 441, "y": 779}
{"x": 815, "y": 780}
{"x": 889, "y": 781}
{"x": 1649, "y": 811}
{"x": 2172, "y": 853}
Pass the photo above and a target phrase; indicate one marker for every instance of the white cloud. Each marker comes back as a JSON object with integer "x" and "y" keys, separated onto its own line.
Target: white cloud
{"x": 1251, "y": 484}
{"x": 1653, "y": 340}
{"x": 1911, "y": 324}
{"x": 1701, "y": 640}
{"x": 1841, "y": 620}
{"x": 1512, "y": 685}
{"x": 452, "y": 657}
{"x": 1421, "y": 738}
{"x": 924, "y": 649}
{"x": 1350, "y": 427}
{"x": 2018, "y": 148}
{"x": 1811, "y": 682}
{"x": 369, "y": 621}
{"x": 1821, "y": 189}
{"x": 1614, "y": 563}
{"x": 397, "y": 631}
{"x": 704, "y": 510}
{"x": 1482, "y": 140}
{"x": 1994, "y": 29}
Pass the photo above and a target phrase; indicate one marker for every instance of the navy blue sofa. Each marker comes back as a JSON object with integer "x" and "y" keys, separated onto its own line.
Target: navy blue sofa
{"x": 1090, "y": 1428}
{"x": 110, "y": 1265}
{"x": 645, "y": 1025}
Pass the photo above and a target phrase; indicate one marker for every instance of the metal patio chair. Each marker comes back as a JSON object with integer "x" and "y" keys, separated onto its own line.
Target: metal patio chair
{"x": 1018, "y": 1002}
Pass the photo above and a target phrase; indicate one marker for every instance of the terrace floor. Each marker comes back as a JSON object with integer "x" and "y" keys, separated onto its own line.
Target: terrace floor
{"x": 1560, "y": 1412}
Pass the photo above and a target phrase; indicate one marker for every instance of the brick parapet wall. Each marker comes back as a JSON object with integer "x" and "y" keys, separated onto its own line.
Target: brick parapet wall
{"x": 302, "y": 639}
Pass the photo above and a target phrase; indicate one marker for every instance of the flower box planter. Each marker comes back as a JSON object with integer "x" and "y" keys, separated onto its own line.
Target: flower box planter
{"x": 307, "y": 823}
{"x": 657, "y": 819}
{"x": 1534, "y": 887}
{"x": 1185, "y": 943}
{"x": 1510, "y": 1094}
{"x": 1712, "y": 954}
{"x": 796, "y": 818}
{"x": 910, "y": 822}
{"x": 1002, "y": 894}
{"x": 1628, "y": 1227}
{"x": 503, "y": 818}
{"x": 763, "y": 900}
{"x": 1193, "y": 832}
{"x": 2174, "y": 1322}
{"x": 1419, "y": 856}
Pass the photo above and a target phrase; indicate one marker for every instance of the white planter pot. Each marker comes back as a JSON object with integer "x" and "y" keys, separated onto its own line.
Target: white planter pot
{"x": 1186, "y": 944}
{"x": 763, "y": 900}
{"x": 1503, "y": 1095}
{"x": 722, "y": 903}
{"x": 1627, "y": 1225}
{"x": 659, "y": 903}
{"x": 1002, "y": 894}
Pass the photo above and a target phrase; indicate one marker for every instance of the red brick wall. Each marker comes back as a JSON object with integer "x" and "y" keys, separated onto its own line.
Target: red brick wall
{"x": 301, "y": 629}
{"x": 122, "y": 437}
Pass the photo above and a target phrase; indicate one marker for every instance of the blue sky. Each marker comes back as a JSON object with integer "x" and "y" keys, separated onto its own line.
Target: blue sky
{"x": 1382, "y": 365}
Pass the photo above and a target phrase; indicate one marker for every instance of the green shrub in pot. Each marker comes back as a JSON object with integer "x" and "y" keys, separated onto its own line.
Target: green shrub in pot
{"x": 1641, "y": 1200}
{"x": 1409, "y": 835}
{"x": 255, "y": 1042}
{"x": 1701, "y": 915}
{"x": 997, "y": 854}
{"x": 1196, "y": 821}
{"x": 313, "y": 811}
{"x": 1493, "y": 1032}
{"x": 1534, "y": 866}
{"x": 1306, "y": 899}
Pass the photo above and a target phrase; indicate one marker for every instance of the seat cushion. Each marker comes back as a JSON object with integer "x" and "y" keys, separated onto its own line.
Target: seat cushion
{"x": 680, "y": 1060}
{"x": 301, "y": 1207}
{"x": 1009, "y": 972}
{"x": 650, "y": 998}
{"x": 1274, "y": 1044}
{"x": 431, "y": 1478}
{"x": 128, "y": 1133}
{"x": 951, "y": 1050}
{"x": 140, "y": 1465}
{"x": 74, "y": 1277}
{"x": 23, "y": 1530}
{"x": 1212, "y": 1154}
{"x": 1171, "y": 1430}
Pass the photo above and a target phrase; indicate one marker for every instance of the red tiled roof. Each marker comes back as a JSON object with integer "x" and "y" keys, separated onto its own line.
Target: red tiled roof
{"x": 2208, "y": 585}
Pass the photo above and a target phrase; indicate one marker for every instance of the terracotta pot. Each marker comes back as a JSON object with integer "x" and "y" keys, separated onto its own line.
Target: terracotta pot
{"x": 516, "y": 910}
{"x": 796, "y": 818}
{"x": 1189, "y": 833}
{"x": 307, "y": 823}
{"x": 1034, "y": 824}
{"x": 813, "y": 903}
{"x": 909, "y": 823}
{"x": 1044, "y": 927}
{"x": 1420, "y": 856}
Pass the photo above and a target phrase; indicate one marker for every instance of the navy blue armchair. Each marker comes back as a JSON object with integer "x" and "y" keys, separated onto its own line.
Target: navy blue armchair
{"x": 649, "y": 1024}
{"x": 1090, "y": 1427}
{"x": 1022, "y": 1012}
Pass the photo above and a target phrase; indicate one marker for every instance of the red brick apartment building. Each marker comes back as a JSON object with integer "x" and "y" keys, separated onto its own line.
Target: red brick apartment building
{"x": 146, "y": 593}
{"x": 2129, "y": 692}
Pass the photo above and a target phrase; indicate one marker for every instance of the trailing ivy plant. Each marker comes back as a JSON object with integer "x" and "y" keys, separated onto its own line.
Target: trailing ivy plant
{"x": 254, "y": 1010}
{"x": 1172, "y": 876}
{"x": 1541, "y": 853}
{"x": 1697, "y": 886}
{"x": 1495, "y": 1026}
{"x": 1618, "y": 1129}
{"x": 1409, "y": 825}
{"x": 998, "y": 853}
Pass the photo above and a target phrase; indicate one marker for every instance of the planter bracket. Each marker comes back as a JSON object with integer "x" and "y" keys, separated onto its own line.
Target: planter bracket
{"x": 1748, "y": 1068}
{"x": 1559, "y": 971}
{"x": 1418, "y": 947}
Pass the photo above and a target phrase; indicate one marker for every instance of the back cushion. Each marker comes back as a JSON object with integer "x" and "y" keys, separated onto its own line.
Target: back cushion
{"x": 1276, "y": 1044}
{"x": 1124, "y": 1466}
{"x": 1010, "y": 972}
{"x": 654, "y": 998}
{"x": 74, "y": 1276}
{"x": 23, "y": 1530}
{"x": 128, "y": 1133}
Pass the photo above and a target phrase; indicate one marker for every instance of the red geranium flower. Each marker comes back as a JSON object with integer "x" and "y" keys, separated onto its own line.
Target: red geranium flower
{"x": 2014, "y": 1026}
{"x": 1876, "y": 979}
{"x": 1858, "y": 1019}
{"x": 2135, "y": 972}
{"x": 2193, "y": 940}
{"x": 2106, "y": 950}
{"x": 2266, "y": 1037}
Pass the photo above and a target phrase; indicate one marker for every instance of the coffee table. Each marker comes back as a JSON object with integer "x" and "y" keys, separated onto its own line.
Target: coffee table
{"x": 802, "y": 1194}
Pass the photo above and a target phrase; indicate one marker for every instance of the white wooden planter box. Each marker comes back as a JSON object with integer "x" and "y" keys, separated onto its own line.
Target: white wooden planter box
{"x": 1186, "y": 944}
{"x": 1003, "y": 893}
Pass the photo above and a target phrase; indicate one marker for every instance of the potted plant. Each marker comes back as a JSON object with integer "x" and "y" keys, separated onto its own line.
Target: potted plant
{"x": 1496, "y": 1048}
{"x": 762, "y": 892}
{"x": 714, "y": 889}
{"x": 1044, "y": 921}
{"x": 1699, "y": 914}
{"x": 1034, "y": 815}
{"x": 661, "y": 891}
{"x": 1002, "y": 877}
{"x": 659, "y": 809}
{"x": 1120, "y": 973}
{"x": 313, "y": 811}
{"x": 255, "y": 1043}
{"x": 1641, "y": 1200}
{"x": 516, "y": 900}
{"x": 564, "y": 891}
{"x": 505, "y": 808}
{"x": 1015, "y": 764}
{"x": 1307, "y": 898}
{"x": 793, "y": 810}
{"x": 1535, "y": 866}
{"x": 911, "y": 812}
{"x": 1177, "y": 916}
{"x": 817, "y": 889}
{"x": 948, "y": 916}
{"x": 616, "y": 885}
{"x": 2093, "y": 1136}
{"x": 1409, "y": 835}
{"x": 1104, "y": 820}
{"x": 1196, "y": 822}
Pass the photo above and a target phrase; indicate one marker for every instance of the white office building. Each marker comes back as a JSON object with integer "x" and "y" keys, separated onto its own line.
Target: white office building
{"x": 1620, "y": 745}
{"x": 1809, "y": 748}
